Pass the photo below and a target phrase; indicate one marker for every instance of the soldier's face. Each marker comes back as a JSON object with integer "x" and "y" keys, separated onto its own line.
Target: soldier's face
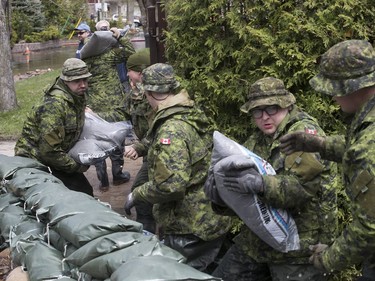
{"x": 79, "y": 86}
{"x": 134, "y": 76}
{"x": 353, "y": 102}
{"x": 268, "y": 123}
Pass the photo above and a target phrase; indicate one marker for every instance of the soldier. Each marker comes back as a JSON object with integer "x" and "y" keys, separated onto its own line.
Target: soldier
{"x": 347, "y": 73}
{"x": 106, "y": 92}
{"x": 303, "y": 185}
{"x": 54, "y": 126}
{"x": 178, "y": 160}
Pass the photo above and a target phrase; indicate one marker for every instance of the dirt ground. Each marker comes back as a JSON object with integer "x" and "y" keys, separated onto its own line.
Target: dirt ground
{"x": 115, "y": 196}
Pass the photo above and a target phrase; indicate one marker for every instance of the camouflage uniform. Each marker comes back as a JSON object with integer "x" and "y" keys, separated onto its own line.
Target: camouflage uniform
{"x": 54, "y": 126}
{"x": 352, "y": 64}
{"x": 304, "y": 185}
{"x": 106, "y": 92}
{"x": 179, "y": 156}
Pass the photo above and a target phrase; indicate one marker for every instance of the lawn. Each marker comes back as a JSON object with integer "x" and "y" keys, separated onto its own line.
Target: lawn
{"x": 28, "y": 93}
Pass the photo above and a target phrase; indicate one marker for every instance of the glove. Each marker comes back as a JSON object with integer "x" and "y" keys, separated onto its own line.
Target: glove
{"x": 129, "y": 204}
{"x": 244, "y": 181}
{"x": 82, "y": 168}
{"x": 115, "y": 32}
{"x": 301, "y": 141}
{"x": 211, "y": 191}
{"x": 316, "y": 258}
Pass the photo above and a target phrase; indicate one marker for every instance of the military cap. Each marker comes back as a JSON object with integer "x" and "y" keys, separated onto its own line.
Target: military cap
{"x": 268, "y": 91}
{"x": 83, "y": 26}
{"x": 345, "y": 68}
{"x": 159, "y": 78}
{"x": 74, "y": 69}
{"x": 139, "y": 60}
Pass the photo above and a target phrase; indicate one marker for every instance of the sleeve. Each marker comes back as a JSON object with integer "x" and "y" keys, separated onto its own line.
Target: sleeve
{"x": 52, "y": 116}
{"x": 171, "y": 166}
{"x": 334, "y": 148}
{"x": 357, "y": 240}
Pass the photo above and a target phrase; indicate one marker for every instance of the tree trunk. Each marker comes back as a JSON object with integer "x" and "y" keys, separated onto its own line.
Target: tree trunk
{"x": 8, "y": 99}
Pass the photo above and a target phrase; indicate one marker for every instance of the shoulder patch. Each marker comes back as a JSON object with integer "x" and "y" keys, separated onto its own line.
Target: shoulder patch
{"x": 165, "y": 141}
{"x": 311, "y": 131}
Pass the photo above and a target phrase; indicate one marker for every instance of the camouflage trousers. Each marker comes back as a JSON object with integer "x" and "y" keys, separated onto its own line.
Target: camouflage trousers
{"x": 237, "y": 266}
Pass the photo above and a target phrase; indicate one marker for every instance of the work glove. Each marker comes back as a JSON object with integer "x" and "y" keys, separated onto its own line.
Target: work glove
{"x": 244, "y": 181}
{"x": 301, "y": 141}
{"x": 211, "y": 191}
{"x": 129, "y": 203}
{"x": 316, "y": 258}
{"x": 115, "y": 32}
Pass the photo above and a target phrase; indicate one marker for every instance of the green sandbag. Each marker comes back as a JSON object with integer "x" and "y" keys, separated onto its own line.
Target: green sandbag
{"x": 103, "y": 266}
{"x": 158, "y": 268}
{"x": 106, "y": 244}
{"x": 81, "y": 228}
{"x": 27, "y": 177}
{"x": 59, "y": 243}
{"x": 43, "y": 262}
{"x": 7, "y": 199}
{"x": 10, "y": 164}
{"x": 10, "y": 216}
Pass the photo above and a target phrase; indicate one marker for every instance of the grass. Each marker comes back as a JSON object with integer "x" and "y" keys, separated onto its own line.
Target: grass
{"x": 28, "y": 93}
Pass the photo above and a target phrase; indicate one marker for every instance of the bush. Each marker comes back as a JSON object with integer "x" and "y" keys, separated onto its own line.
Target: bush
{"x": 50, "y": 33}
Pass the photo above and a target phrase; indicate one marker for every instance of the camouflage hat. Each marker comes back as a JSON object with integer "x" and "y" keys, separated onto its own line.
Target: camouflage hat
{"x": 268, "y": 91}
{"x": 159, "y": 78}
{"x": 345, "y": 68}
{"x": 74, "y": 69}
{"x": 139, "y": 60}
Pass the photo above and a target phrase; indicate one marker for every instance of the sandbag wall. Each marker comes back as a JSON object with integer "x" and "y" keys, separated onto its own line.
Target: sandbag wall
{"x": 55, "y": 233}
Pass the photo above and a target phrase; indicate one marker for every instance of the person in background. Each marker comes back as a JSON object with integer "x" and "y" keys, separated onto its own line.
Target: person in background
{"x": 178, "y": 158}
{"x": 104, "y": 94}
{"x": 304, "y": 185}
{"x": 54, "y": 126}
{"x": 347, "y": 74}
{"x": 83, "y": 32}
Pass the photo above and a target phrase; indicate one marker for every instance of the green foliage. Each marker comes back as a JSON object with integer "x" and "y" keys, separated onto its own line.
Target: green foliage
{"x": 50, "y": 33}
{"x": 221, "y": 47}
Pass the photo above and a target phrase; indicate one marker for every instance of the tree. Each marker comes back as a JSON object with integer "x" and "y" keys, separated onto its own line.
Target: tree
{"x": 8, "y": 99}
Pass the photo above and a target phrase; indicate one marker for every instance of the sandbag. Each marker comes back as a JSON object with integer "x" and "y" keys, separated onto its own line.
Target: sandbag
{"x": 10, "y": 164}
{"x": 65, "y": 247}
{"x": 106, "y": 244}
{"x": 98, "y": 139}
{"x": 99, "y": 43}
{"x": 276, "y": 227}
{"x": 7, "y": 199}
{"x": 103, "y": 266}
{"x": 81, "y": 228}
{"x": 158, "y": 268}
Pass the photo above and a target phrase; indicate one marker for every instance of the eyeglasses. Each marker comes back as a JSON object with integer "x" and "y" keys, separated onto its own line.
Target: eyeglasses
{"x": 81, "y": 32}
{"x": 270, "y": 110}
{"x": 104, "y": 28}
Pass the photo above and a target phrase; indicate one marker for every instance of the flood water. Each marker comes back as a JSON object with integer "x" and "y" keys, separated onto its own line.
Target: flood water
{"x": 50, "y": 58}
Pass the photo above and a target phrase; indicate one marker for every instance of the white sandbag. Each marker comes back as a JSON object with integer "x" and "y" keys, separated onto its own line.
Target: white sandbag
{"x": 98, "y": 139}
{"x": 99, "y": 43}
{"x": 276, "y": 227}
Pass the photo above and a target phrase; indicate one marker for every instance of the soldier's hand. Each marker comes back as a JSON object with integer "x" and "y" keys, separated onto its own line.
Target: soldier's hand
{"x": 129, "y": 204}
{"x": 316, "y": 258}
{"x": 301, "y": 141}
{"x": 83, "y": 168}
{"x": 115, "y": 32}
{"x": 130, "y": 152}
{"x": 244, "y": 181}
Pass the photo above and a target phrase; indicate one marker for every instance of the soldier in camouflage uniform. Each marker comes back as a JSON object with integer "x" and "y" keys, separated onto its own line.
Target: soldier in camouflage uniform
{"x": 304, "y": 185}
{"x": 140, "y": 113}
{"x": 54, "y": 126}
{"x": 106, "y": 92}
{"x": 178, "y": 160}
{"x": 347, "y": 73}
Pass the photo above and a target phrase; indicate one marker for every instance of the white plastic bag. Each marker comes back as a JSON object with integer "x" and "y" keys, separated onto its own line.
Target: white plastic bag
{"x": 276, "y": 227}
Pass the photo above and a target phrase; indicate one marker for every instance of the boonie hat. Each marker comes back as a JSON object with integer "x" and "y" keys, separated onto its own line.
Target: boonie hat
{"x": 139, "y": 60}
{"x": 345, "y": 68}
{"x": 159, "y": 77}
{"x": 268, "y": 91}
{"x": 83, "y": 26}
{"x": 74, "y": 69}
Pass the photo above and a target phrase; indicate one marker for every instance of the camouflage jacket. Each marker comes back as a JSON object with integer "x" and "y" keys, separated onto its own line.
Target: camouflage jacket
{"x": 178, "y": 160}
{"x": 357, "y": 242}
{"x": 304, "y": 185}
{"x": 105, "y": 89}
{"x": 53, "y": 127}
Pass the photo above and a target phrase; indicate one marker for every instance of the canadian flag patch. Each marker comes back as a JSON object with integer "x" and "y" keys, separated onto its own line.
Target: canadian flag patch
{"x": 165, "y": 141}
{"x": 311, "y": 131}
